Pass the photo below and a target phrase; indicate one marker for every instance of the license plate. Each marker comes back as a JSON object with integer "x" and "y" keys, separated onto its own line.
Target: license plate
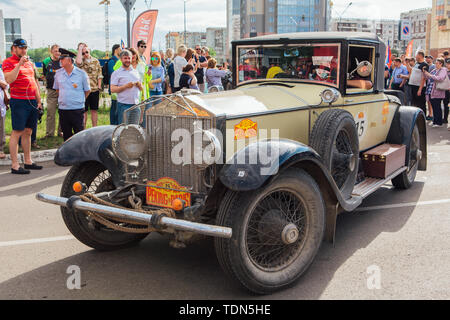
{"x": 162, "y": 192}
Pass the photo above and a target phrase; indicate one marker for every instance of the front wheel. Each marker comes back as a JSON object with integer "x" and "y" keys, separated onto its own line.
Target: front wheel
{"x": 97, "y": 179}
{"x": 277, "y": 231}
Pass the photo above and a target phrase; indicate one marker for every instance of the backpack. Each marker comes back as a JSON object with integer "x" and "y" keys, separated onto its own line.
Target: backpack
{"x": 105, "y": 73}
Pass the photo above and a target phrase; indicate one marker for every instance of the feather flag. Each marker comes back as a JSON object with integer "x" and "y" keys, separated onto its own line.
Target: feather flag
{"x": 409, "y": 49}
{"x": 388, "y": 55}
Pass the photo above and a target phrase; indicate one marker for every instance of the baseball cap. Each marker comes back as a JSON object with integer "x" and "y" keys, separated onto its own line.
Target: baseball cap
{"x": 431, "y": 57}
{"x": 20, "y": 43}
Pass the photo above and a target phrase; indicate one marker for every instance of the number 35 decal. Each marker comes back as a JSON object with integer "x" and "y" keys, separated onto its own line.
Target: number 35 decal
{"x": 361, "y": 124}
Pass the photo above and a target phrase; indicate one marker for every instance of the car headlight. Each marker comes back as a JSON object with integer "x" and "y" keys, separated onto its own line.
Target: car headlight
{"x": 206, "y": 148}
{"x": 330, "y": 95}
{"x": 129, "y": 142}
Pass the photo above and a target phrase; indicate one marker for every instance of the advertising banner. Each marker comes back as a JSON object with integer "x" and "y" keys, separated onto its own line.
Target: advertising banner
{"x": 143, "y": 29}
{"x": 409, "y": 49}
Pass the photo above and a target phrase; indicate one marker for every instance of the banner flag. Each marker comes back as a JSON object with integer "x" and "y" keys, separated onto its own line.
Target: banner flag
{"x": 388, "y": 55}
{"x": 143, "y": 29}
{"x": 409, "y": 49}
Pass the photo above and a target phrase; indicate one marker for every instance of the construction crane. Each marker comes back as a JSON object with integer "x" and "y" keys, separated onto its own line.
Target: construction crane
{"x": 106, "y": 3}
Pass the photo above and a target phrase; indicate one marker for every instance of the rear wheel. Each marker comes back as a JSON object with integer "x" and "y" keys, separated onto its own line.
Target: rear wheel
{"x": 277, "y": 231}
{"x": 406, "y": 178}
{"x": 97, "y": 179}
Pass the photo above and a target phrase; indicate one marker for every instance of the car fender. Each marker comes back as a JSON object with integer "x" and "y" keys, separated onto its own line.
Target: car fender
{"x": 401, "y": 130}
{"x": 91, "y": 145}
{"x": 240, "y": 173}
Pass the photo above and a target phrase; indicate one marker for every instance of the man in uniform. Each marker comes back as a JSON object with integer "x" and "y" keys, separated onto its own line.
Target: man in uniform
{"x": 72, "y": 85}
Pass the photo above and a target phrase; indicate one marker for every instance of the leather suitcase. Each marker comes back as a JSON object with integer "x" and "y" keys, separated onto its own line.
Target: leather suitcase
{"x": 383, "y": 160}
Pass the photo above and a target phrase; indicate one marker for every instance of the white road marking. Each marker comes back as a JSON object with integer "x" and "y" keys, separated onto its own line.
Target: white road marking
{"x": 30, "y": 241}
{"x": 389, "y": 206}
{"x": 401, "y": 205}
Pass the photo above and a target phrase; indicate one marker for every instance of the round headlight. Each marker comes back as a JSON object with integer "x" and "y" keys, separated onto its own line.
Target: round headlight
{"x": 206, "y": 148}
{"x": 129, "y": 142}
{"x": 329, "y": 95}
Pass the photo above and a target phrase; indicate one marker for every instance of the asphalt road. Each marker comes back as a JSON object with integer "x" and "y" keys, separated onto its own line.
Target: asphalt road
{"x": 405, "y": 243}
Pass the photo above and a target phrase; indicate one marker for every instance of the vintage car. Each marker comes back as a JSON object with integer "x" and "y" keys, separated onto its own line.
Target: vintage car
{"x": 307, "y": 133}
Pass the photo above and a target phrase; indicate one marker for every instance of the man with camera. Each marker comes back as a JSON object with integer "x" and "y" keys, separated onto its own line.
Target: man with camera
{"x": 25, "y": 102}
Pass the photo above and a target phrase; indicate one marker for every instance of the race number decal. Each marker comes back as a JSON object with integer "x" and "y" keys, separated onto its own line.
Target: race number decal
{"x": 361, "y": 124}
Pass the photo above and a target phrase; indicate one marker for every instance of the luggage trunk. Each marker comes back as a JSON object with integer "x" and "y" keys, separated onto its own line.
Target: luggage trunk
{"x": 383, "y": 160}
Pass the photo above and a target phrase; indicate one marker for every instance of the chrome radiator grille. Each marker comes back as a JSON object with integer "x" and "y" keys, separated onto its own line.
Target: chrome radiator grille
{"x": 160, "y": 164}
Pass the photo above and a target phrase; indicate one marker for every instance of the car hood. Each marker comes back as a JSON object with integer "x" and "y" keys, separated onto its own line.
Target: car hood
{"x": 257, "y": 98}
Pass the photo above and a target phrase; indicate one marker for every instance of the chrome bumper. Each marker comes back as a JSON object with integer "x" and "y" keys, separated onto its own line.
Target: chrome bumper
{"x": 178, "y": 224}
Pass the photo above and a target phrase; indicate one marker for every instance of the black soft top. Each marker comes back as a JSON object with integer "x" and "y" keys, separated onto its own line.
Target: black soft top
{"x": 331, "y": 36}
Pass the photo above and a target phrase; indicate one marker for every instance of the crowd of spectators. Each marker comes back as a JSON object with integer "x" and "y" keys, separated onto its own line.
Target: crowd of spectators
{"x": 74, "y": 82}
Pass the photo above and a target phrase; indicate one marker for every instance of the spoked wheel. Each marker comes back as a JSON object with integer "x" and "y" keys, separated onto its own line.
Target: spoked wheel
{"x": 277, "y": 232}
{"x": 406, "y": 178}
{"x": 343, "y": 160}
{"x": 94, "y": 235}
{"x": 335, "y": 138}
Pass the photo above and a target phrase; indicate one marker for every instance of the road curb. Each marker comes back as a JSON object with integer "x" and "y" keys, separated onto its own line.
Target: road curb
{"x": 36, "y": 156}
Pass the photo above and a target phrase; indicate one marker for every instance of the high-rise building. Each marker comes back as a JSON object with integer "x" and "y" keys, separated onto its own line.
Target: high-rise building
{"x": 217, "y": 38}
{"x": 233, "y": 23}
{"x": 388, "y": 30}
{"x": 2, "y": 37}
{"x": 175, "y": 39}
{"x": 440, "y": 27}
{"x": 260, "y": 17}
{"x": 418, "y": 22}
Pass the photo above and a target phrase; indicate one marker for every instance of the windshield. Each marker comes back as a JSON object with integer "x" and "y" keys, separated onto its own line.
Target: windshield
{"x": 309, "y": 62}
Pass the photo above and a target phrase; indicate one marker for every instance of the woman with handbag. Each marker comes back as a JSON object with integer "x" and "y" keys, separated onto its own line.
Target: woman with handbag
{"x": 440, "y": 85}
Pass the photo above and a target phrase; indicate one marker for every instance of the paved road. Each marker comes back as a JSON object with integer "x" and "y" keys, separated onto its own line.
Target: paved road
{"x": 406, "y": 240}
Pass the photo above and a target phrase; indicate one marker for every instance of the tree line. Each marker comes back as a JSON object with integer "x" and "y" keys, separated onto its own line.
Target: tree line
{"x": 39, "y": 54}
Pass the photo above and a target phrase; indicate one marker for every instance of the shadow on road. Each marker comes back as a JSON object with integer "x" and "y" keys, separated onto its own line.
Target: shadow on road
{"x": 152, "y": 270}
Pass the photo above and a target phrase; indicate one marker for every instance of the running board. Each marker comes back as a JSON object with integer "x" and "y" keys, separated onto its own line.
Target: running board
{"x": 370, "y": 185}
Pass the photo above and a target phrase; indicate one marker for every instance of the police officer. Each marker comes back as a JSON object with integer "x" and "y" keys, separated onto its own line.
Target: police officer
{"x": 73, "y": 87}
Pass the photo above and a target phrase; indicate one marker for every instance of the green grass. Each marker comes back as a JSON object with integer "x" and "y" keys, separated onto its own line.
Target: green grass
{"x": 52, "y": 142}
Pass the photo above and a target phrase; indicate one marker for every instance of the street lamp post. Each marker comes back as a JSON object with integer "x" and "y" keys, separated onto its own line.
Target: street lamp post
{"x": 128, "y": 5}
{"x": 340, "y": 16}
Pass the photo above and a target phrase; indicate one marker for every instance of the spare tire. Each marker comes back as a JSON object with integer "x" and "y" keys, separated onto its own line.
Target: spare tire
{"x": 335, "y": 138}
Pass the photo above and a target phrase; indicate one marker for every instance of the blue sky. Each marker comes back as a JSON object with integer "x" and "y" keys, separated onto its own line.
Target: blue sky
{"x": 50, "y": 21}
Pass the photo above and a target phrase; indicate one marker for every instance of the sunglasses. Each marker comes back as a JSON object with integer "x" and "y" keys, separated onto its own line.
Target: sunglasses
{"x": 145, "y": 47}
{"x": 85, "y": 53}
{"x": 197, "y": 49}
{"x": 155, "y": 59}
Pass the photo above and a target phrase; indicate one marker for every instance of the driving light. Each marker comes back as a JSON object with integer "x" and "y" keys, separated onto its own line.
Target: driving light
{"x": 129, "y": 142}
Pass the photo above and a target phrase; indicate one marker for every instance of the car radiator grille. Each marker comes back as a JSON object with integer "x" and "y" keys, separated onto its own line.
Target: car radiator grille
{"x": 160, "y": 163}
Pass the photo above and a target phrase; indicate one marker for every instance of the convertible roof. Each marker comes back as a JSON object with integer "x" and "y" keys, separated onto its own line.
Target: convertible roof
{"x": 359, "y": 36}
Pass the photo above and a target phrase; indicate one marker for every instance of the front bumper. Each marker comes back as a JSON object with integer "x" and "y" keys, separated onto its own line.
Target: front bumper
{"x": 177, "y": 224}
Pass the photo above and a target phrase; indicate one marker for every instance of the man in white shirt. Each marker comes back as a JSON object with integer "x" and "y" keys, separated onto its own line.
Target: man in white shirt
{"x": 178, "y": 64}
{"x": 126, "y": 82}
